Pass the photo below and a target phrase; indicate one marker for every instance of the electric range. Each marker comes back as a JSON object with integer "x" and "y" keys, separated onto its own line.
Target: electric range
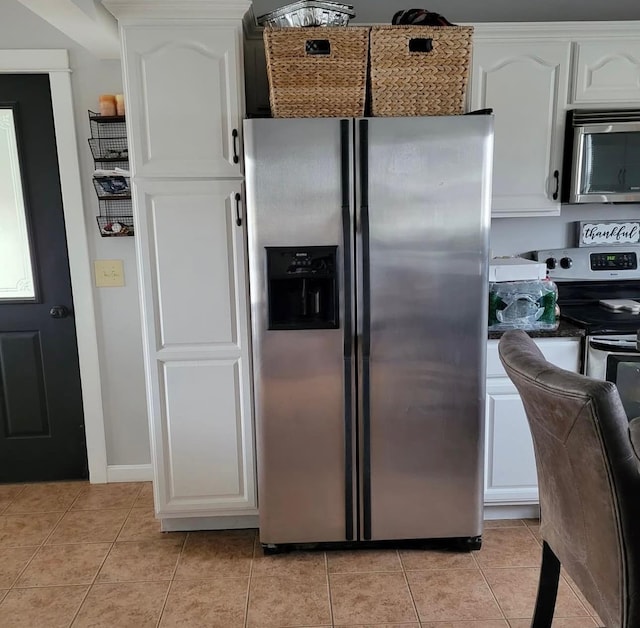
{"x": 586, "y": 276}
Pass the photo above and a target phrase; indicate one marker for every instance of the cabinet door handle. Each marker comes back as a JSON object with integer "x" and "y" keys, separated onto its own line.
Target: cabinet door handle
{"x": 234, "y": 135}
{"x": 238, "y": 219}
{"x": 556, "y": 176}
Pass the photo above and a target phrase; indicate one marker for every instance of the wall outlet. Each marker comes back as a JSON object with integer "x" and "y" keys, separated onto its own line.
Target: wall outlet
{"x": 109, "y": 273}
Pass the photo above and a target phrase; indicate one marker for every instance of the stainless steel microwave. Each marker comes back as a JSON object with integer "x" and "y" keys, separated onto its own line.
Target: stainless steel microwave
{"x": 602, "y": 156}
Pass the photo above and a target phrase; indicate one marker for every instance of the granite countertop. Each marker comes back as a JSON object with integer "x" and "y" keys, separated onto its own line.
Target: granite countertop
{"x": 565, "y": 330}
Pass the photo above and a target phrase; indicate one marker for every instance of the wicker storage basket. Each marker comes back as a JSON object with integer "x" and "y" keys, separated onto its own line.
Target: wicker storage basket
{"x": 419, "y": 70}
{"x": 317, "y": 72}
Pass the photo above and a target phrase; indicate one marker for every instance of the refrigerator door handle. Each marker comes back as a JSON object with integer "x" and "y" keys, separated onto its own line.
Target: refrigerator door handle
{"x": 345, "y": 176}
{"x": 366, "y": 328}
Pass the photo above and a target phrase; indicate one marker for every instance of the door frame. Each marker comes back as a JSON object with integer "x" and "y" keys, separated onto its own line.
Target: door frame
{"x": 55, "y": 63}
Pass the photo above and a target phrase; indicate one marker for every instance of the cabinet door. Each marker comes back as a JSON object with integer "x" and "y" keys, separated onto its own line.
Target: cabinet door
{"x": 526, "y": 85}
{"x": 510, "y": 475}
{"x": 192, "y": 256}
{"x": 184, "y": 90}
{"x": 510, "y": 467}
{"x": 607, "y": 72}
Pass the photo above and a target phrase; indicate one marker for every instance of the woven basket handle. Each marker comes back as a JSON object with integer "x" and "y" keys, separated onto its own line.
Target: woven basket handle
{"x": 421, "y": 44}
{"x": 317, "y": 47}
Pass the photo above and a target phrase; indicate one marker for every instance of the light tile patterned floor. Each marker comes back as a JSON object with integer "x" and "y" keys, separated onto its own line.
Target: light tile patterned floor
{"x": 72, "y": 554}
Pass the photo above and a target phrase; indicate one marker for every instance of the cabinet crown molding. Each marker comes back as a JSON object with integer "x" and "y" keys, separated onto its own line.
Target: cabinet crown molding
{"x": 555, "y": 30}
{"x": 517, "y": 31}
{"x": 143, "y": 10}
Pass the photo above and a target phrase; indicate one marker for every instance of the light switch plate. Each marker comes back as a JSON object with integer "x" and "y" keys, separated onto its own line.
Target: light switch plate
{"x": 109, "y": 273}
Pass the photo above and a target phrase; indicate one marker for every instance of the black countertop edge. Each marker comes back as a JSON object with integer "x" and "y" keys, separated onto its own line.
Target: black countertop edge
{"x": 565, "y": 330}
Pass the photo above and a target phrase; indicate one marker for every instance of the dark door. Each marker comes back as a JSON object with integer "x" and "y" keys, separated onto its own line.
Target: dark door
{"x": 41, "y": 418}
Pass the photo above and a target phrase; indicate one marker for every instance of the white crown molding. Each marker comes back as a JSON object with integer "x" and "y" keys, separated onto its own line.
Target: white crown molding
{"x": 516, "y": 31}
{"x": 555, "y": 30}
{"x": 138, "y": 11}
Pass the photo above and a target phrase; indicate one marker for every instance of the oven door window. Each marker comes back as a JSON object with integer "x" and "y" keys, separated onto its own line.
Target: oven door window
{"x": 624, "y": 372}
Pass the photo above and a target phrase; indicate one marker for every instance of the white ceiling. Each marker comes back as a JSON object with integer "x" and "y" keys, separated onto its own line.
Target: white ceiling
{"x": 381, "y": 11}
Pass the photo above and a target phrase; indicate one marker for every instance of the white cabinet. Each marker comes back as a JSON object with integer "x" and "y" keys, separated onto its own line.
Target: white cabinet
{"x": 184, "y": 94}
{"x": 193, "y": 263}
{"x": 526, "y": 85}
{"x": 606, "y": 72}
{"x": 184, "y": 90}
{"x": 510, "y": 467}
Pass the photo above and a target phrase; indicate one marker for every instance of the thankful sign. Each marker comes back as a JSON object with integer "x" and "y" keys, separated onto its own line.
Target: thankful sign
{"x": 608, "y": 232}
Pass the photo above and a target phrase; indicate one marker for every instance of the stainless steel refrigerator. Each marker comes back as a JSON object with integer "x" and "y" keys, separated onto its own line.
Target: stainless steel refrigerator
{"x": 368, "y": 243}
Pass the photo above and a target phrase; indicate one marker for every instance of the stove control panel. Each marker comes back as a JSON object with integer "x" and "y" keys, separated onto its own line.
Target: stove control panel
{"x": 614, "y": 261}
{"x": 598, "y": 263}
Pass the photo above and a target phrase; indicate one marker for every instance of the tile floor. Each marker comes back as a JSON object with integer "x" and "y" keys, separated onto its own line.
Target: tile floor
{"x": 80, "y": 555}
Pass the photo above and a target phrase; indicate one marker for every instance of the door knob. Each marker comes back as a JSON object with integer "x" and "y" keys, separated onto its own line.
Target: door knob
{"x": 59, "y": 311}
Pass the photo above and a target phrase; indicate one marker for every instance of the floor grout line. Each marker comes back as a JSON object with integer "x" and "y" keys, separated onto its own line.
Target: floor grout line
{"x": 172, "y": 580}
{"x": 253, "y": 557}
{"x": 406, "y": 579}
{"x": 326, "y": 568}
{"x": 93, "y": 581}
{"x": 493, "y": 595}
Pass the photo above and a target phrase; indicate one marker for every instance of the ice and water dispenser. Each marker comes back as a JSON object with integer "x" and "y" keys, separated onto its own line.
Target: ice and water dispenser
{"x": 302, "y": 287}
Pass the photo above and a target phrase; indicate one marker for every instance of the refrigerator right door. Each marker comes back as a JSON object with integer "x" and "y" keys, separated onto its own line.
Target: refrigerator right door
{"x": 424, "y": 193}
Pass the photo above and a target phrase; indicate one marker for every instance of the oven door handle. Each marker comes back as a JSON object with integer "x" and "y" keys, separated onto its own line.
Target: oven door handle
{"x": 612, "y": 346}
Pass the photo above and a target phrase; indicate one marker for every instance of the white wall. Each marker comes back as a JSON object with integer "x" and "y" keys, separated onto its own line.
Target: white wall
{"x": 117, "y": 309}
{"x": 514, "y": 236}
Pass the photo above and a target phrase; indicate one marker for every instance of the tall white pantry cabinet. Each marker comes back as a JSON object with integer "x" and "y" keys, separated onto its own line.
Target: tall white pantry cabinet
{"x": 183, "y": 80}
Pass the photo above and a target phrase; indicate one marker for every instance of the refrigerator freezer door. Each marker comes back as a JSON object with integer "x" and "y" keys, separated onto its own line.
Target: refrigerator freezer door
{"x": 299, "y": 196}
{"x": 425, "y": 203}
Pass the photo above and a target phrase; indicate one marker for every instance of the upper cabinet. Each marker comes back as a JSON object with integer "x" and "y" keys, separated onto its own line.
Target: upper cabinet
{"x": 526, "y": 84}
{"x": 186, "y": 110}
{"x": 606, "y": 72}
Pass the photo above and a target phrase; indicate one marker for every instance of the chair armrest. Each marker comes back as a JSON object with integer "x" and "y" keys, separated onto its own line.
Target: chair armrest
{"x": 634, "y": 435}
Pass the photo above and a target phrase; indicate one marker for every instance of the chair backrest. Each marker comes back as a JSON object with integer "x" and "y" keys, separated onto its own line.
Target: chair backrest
{"x": 588, "y": 477}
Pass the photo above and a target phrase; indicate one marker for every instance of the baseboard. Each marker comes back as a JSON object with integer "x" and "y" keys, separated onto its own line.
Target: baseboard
{"x": 186, "y": 524}
{"x": 129, "y": 473}
{"x": 522, "y": 511}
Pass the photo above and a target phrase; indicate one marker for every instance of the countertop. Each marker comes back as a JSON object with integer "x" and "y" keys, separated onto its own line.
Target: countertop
{"x": 565, "y": 330}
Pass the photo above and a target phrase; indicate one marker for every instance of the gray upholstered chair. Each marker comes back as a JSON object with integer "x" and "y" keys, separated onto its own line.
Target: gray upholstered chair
{"x": 588, "y": 463}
